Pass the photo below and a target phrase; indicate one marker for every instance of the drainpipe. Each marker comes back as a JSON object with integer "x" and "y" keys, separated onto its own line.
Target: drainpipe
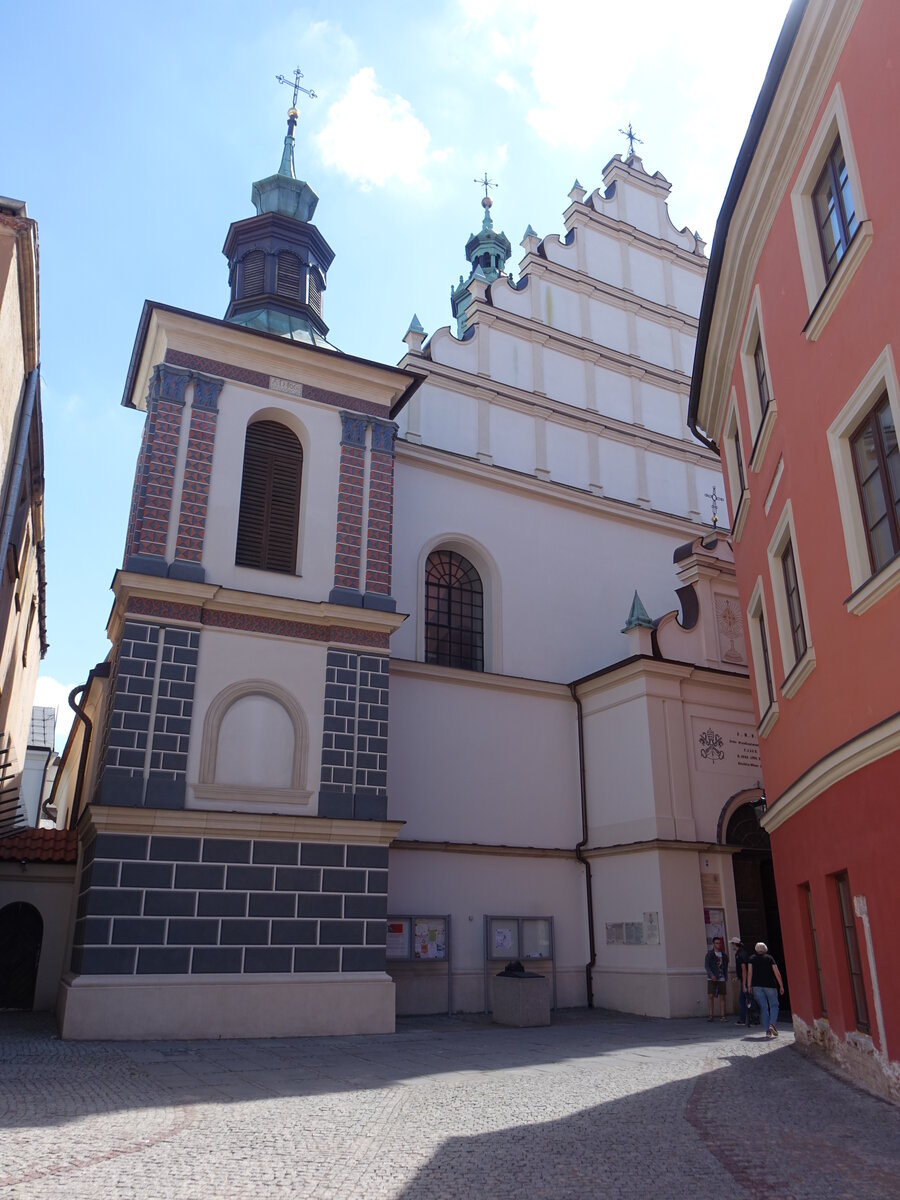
{"x": 85, "y": 747}
{"x": 15, "y": 475}
{"x": 579, "y": 852}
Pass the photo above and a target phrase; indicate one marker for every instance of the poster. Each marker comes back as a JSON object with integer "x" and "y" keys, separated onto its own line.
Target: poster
{"x": 430, "y": 938}
{"x": 715, "y": 925}
{"x": 504, "y": 938}
{"x": 397, "y": 944}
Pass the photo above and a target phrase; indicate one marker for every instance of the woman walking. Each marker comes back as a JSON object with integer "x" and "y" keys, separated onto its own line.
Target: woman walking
{"x": 764, "y": 978}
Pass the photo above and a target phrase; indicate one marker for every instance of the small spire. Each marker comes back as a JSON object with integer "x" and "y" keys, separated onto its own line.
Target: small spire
{"x": 287, "y": 155}
{"x": 414, "y": 336}
{"x": 638, "y": 617}
{"x": 529, "y": 232}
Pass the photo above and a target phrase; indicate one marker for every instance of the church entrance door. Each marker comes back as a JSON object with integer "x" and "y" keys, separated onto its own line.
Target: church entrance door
{"x": 754, "y": 887}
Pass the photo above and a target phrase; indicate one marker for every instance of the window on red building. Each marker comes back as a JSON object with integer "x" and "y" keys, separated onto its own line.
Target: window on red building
{"x": 851, "y": 944}
{"x": 762, "y": 379}
{"x": 835, "y": 209}
{"x": 876, "y": 462}
{"x": 794, "y": 608}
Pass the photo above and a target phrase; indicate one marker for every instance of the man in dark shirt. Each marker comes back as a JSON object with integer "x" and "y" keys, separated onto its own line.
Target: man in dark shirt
{"x": 716, "y": 964}
{"x": 741, "y": 962}
{"x": 765, "y": 979}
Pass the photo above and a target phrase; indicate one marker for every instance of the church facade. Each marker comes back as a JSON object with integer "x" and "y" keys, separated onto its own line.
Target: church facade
{"x": 385, "y": 706}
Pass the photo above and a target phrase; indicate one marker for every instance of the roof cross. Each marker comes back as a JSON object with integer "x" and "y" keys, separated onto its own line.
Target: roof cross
{"x": 632, "y": 138}
{"x": 486, "y": 183}
{"x": 296, "y": 85}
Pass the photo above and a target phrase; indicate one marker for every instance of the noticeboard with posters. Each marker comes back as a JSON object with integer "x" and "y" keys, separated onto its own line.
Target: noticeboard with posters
{"x": 417, "y": 939}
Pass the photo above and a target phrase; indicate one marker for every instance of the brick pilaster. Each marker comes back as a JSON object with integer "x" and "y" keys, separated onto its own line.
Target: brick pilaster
{"x": 348, "y": 546}
{"x": 195, "y": 486}
{"x": 381, "y": 513}
{"x": 149, "y": 717}
{"x": 152, "y": 501}
{"x": 354, "y": 740}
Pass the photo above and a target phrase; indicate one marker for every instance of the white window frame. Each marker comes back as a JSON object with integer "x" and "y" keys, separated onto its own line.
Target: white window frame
{"x": 867, "y": 587}
{"x": 761, "y": 423}
{"x": 738, "y": 497}
{"x": 823, "y": 294}
{"x": 796, "y": 670}
{"x": 756, "y": 612}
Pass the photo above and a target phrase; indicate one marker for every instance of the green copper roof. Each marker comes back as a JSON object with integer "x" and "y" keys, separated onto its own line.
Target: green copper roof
{"x": 283, "y": 192}
{"x": 415, "y": 325}
{"x": 638, "y": 617}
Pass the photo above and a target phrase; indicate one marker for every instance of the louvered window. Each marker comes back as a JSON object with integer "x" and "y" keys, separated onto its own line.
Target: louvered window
{"x": 287, "y": 282}
{"x": 253, "y": 270}
{"x": 454, "y": 612}
{"x": 315, "y": 294}
{"x": 270, "y": 498}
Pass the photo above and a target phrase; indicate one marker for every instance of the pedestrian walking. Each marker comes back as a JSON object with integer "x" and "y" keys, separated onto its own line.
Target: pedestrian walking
{"x": 765, "y": 979}
{"x": 716, "y": 964}
{"x": 741, "y": 963}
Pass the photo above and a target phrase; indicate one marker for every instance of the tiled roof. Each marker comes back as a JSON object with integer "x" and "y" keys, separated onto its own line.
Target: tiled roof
{"x": 40, "y": 845}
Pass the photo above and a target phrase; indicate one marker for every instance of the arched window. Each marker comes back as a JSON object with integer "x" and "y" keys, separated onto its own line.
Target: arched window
{"x": 454, "y": 612}
{"x": 270, "y": 498}
{"x": 253, "y": 273}
{"x": 287, "y": 279}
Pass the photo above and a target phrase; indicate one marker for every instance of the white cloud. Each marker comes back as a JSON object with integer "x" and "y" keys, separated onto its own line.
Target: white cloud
{"x": 375, "y": 138}
{"x": 505, "y": 80}
{"x": 50, "y": 693}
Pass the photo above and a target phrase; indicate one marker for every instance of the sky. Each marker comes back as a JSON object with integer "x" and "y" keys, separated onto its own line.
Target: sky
{"x": 134, "y": 132}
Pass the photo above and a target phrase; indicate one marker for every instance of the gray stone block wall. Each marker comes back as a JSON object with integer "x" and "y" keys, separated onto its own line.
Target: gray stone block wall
{"x": 355, "y": 736}
{"x": 153, "y": 684}
{"x": 152, "y": 905}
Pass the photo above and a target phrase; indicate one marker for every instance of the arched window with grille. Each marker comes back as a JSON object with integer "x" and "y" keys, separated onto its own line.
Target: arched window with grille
{"x": 270, "y": 498}
{"x": 454, "y": 612}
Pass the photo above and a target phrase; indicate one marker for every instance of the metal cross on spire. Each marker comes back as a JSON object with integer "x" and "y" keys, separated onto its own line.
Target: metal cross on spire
{"x": 486, "y": 183}
{"x": 296, "y": 85}
{"x": 714, "y": 502}
{"x": 632, "y": 138}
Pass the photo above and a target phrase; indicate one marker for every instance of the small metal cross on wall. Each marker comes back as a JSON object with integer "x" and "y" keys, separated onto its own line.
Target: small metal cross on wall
{"x": 714, "y": 501}
{"x": 632, "y": 138}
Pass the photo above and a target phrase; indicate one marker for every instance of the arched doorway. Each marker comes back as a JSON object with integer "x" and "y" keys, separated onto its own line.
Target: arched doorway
{"x": 754, "y": 886}
{"x": 21, "y": 934}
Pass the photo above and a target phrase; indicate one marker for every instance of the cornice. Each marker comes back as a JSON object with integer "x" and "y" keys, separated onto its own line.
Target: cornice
{"x": 479, "y": 679}
{"x": 579, "y": 281}
{"x": 188, "y": 822}
{"x": 808, "y": 72}
{"x": 163, "y": 328}
{"x": 489, "y": 848}
{"x": 852, "y": 756}
{"x": 659, "y": 844}
{"x": 584, "y": 215}
{"x": 554, "y": 492}
{"x": 480, "y": 311}
{"x": 200, "y": 599}
{"x": 573, "y": 416}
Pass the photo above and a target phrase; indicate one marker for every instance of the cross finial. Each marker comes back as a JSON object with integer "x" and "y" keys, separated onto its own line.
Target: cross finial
{"x": 714, "y": 501}
{"x": 486, "y": 183}
{"x": 632, "y": 138}
{"x": 295, "y": 84}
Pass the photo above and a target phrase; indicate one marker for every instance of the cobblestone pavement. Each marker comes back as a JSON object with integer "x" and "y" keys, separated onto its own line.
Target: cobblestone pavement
{"x": 598, "y": 1105}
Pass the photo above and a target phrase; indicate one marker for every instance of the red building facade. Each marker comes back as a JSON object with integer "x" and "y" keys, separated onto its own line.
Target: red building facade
{"x": 796, "y": 385}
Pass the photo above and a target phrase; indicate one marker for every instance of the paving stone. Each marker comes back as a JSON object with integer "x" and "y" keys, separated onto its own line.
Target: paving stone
{"x": 596, "y": 1105}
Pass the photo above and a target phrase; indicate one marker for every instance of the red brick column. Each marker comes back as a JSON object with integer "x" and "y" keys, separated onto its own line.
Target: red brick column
{"x": 156, "y": 472}
{"x": 381, "y": 513}
{"x": 195, "y": 486}
{"x": 348, "y": 545}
